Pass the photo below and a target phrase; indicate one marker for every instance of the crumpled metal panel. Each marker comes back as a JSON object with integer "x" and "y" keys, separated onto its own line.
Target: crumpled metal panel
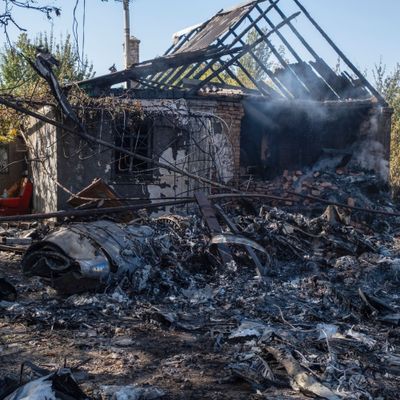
{"x": 85, "y": 256}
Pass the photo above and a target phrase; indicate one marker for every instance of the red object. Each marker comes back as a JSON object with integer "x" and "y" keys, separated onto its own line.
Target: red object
{"x": 18, "y": 205}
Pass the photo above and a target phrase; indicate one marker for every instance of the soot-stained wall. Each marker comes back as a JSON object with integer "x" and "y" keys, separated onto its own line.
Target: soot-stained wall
{"x": 198, "y": 136}
{"x": 276, "y": 136}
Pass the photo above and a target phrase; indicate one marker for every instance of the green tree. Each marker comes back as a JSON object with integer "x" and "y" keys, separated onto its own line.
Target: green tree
{"x": 263, "y": 53}
{"x": 389, "y": 86}
{"x": 19, "y": 79}
{"x": 17, "y": 75}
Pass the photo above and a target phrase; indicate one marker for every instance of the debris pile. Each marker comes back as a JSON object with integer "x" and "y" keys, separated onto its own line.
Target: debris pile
{"x": 330, "y": 181}
{"x": 311, "y": 310}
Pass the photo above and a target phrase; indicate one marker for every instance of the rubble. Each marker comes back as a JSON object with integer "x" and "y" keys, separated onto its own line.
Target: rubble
{"x": 132, "y": 393}
{"x": 7, "y": 291}
{"x": 172, "y": 319}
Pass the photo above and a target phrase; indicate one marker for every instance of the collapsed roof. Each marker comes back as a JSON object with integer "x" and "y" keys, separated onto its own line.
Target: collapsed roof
{"x": 259, "y": 35}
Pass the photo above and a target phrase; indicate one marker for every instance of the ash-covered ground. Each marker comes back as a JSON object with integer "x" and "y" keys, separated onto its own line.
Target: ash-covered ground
{"x": 322, "y": 322}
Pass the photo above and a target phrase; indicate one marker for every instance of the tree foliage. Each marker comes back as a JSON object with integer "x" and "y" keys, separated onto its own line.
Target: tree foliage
{"x": 389, "y": 86}
{"x": 19, "y": 79}
{"x": 263, "y": 53}
{"x": 17, "y": 75}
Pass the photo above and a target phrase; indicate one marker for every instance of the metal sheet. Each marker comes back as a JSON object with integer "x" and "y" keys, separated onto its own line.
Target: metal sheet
{"x": 215, "y": 28}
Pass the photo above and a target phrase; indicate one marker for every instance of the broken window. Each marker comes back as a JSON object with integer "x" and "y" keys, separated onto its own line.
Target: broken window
{"x": 4, "y": 159}
{"x": 135, "y": 137}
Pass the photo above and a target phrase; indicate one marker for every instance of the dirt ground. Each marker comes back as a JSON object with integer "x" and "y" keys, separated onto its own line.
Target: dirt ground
{"x": 115, "y": 347}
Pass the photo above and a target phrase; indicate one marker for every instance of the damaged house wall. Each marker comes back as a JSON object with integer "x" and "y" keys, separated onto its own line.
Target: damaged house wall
{"x": 219, "y": 138}
{"x": 199, "y": 136}
{"x": 281, "y": 135}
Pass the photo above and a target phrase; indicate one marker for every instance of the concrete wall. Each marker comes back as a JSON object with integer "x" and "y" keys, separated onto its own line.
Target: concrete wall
{"x": 199, "y": 136}
{"x": 79, "y": 163}
{"x": 42, "y": 143}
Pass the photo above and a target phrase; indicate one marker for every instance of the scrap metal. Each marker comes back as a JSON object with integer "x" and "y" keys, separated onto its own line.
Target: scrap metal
{"x": 81, "y": 257}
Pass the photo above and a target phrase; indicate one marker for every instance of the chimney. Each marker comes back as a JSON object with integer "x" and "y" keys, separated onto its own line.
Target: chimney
{"x": 134, "y": 50}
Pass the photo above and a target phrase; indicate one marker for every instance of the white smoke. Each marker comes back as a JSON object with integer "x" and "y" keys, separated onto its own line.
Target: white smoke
{"x": 371, "y": 155}
{"x": 368, "y": 152}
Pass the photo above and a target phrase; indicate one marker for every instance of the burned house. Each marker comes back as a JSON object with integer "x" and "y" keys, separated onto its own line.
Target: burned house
{"x": 272, "y": 286}
{"x": 244, "y": 95}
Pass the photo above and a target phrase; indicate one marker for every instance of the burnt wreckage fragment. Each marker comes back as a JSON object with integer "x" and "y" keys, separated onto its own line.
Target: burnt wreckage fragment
{"x": 87, "y": 256}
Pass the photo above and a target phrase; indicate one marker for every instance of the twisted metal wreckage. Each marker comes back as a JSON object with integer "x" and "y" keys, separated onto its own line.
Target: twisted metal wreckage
{"x": 204, "y": 61}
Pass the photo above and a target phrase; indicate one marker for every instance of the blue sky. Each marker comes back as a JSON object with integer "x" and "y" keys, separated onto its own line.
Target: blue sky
{"x": 366, "y": 30}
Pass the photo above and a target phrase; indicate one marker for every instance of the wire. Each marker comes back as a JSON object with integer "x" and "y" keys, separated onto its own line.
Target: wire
{"x": 75, "y": 29}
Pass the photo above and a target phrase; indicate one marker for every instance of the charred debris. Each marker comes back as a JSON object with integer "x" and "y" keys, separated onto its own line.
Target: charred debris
{"x": 205, "y": 233}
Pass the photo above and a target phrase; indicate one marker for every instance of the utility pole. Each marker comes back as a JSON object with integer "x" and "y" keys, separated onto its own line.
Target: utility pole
{"x": 127, "y": 38}
{"x": 127, "y": 32}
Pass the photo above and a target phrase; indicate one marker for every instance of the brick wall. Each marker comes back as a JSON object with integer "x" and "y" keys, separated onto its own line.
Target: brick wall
{"x": 232, "y": 112}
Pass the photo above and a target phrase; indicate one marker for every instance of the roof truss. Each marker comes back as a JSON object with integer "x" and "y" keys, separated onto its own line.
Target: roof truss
{"x": 219, "y": 51}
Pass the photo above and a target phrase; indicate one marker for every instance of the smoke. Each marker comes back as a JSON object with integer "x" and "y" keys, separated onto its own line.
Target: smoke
{"x": 368, "y": 152}
{"x": 371, "y": 157}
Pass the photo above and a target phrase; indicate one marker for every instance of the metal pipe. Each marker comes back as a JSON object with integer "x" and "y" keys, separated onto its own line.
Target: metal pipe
{"x": 95, "y": 211}
{"x": 187, "y": 200}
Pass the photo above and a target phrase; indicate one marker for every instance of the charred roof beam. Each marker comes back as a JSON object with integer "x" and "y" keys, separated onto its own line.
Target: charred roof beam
{"x": 308, "y": 47}
{"x": 341, "y": 54}
{"x": 281, "y": 88}
{"x": 300, "y": 87}
{"x": 246, "y": 48}
{"x": 259, "y": 85}
{"x": 160, "y": 64}
{"x": 226, "y": 36}
{"x": 176, "y": 47}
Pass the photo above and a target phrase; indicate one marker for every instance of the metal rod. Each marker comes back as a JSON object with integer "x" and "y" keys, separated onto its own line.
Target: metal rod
{"x": 121, "y": 209}
{"x": 261, "y": 269}
{"x": 90, "y": 212}
{"x": 332, "y": 203}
